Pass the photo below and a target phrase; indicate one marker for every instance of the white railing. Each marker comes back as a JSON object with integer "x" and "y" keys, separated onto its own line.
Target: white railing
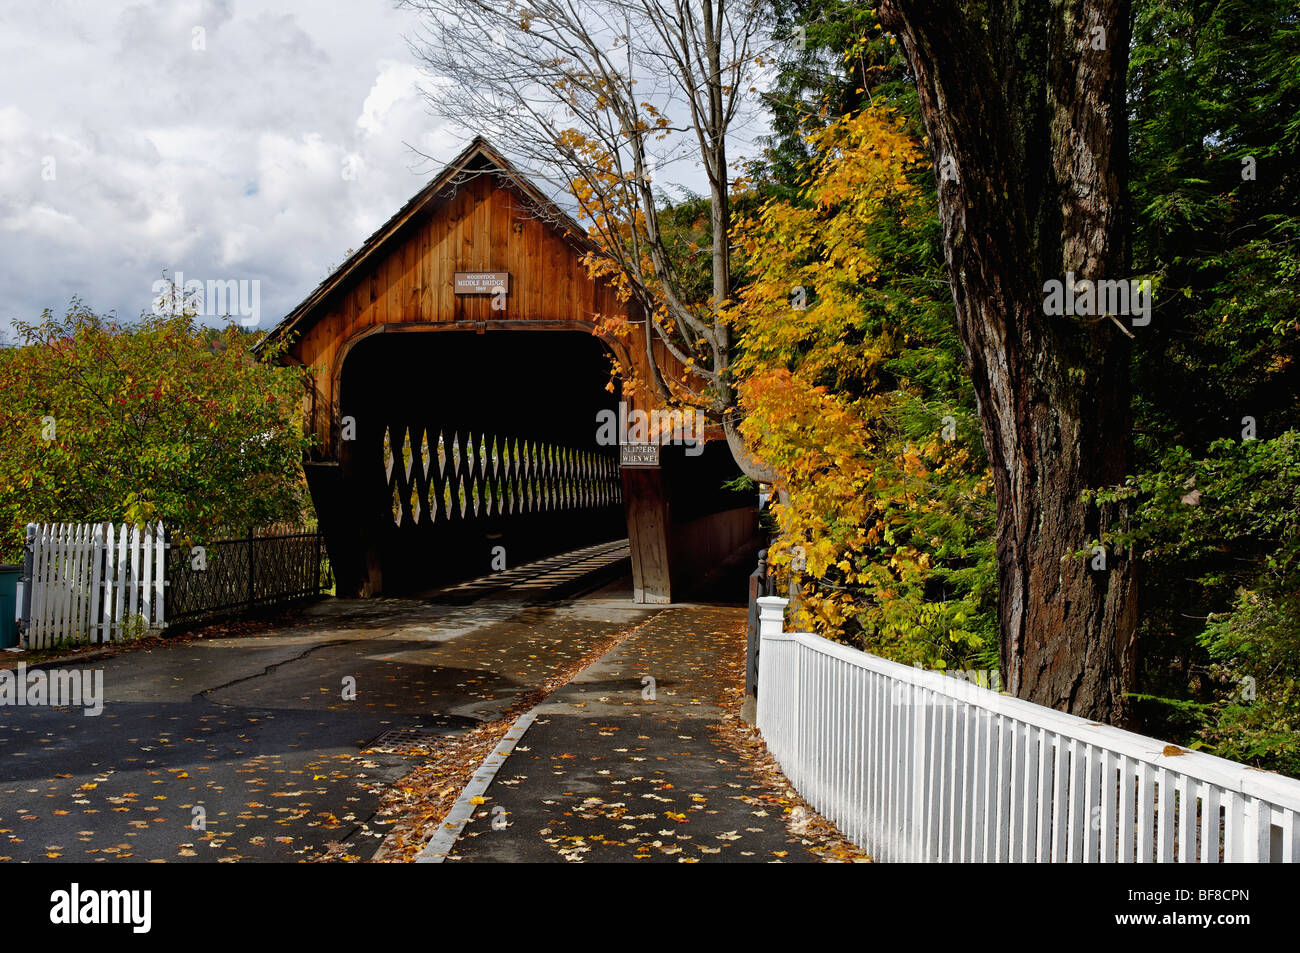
{"x": 913, "y": 765}
{"x": 91, "y": 582}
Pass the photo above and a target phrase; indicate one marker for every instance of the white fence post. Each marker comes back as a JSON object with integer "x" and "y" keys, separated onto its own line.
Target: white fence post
{"x": 777, "y": 693}
{"x": 96, "y": 615}
{"x": 40, "y": 587}
{"x": 160, "y": 577}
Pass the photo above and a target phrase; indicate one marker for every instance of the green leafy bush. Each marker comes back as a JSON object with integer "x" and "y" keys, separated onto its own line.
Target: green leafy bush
{"x": 163, "y": 419}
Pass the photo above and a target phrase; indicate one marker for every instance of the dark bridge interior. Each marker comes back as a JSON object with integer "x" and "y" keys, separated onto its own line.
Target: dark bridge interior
{"x": 467, "y": 442}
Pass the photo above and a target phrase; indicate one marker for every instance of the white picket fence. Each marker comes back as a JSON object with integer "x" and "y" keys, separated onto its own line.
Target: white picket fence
{"x": 92, "y": 582}
{"x": 914, "y": 765}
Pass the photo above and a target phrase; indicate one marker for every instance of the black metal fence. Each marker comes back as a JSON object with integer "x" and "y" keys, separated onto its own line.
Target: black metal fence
{"x": 760, "y": 584}
{"x": 230, "y": 576}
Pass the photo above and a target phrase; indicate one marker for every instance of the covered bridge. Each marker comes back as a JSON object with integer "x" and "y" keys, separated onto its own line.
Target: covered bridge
{"x": 459, "y": 374}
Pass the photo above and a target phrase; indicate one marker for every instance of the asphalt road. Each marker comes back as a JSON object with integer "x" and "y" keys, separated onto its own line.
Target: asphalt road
{"x": 247, "y": 748}
{"x": 623, "y": 764}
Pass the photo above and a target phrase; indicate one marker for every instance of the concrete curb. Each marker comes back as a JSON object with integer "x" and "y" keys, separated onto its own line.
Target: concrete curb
{"x": 441, "y": 843}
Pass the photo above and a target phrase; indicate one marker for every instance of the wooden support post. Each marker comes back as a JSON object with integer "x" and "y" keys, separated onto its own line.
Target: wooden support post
{"x": 342, "y": 528}
{"x": 648, "y": 526}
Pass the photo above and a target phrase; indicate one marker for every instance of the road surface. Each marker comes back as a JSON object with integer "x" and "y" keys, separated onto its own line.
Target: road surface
{"x": 256, "y": 747}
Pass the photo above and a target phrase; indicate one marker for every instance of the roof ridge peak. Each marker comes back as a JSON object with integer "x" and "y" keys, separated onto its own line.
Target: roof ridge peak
{"x": 479, "y": 145}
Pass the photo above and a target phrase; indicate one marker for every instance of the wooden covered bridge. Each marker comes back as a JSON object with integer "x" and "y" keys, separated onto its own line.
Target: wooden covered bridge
{"x": 459, "y": 364}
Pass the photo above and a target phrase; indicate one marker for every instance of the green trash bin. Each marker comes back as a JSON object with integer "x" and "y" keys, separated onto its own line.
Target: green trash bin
{"x": 9, "y": 576}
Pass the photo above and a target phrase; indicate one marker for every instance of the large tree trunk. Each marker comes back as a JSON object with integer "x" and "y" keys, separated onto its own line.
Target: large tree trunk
{"x": 1026, "y": 122}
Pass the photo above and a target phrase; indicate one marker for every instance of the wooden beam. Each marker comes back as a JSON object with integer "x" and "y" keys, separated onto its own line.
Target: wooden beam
{"x": 648, "y": 525}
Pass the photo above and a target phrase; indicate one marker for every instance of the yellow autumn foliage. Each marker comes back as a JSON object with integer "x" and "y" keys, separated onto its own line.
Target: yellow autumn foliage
{"x": 851, "y": 384}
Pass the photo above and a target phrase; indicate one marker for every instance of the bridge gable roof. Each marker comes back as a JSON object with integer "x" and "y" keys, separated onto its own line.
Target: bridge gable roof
{"x": 478, "y": 159}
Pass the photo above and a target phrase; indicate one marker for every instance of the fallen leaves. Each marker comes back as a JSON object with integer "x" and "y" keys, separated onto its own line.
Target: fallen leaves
{"x": 418, "y": 803}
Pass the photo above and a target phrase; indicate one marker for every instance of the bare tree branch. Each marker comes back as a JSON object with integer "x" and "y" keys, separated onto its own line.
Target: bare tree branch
{"x": 587, "y": 94}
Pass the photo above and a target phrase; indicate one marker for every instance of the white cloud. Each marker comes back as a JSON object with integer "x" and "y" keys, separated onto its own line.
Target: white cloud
{"x": 226, "y": 139}
{"x": 222, "y": 162}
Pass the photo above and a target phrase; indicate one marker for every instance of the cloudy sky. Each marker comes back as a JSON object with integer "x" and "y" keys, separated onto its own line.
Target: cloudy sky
{"x": 207, "y": 137}
{"x": 222, "y": 139}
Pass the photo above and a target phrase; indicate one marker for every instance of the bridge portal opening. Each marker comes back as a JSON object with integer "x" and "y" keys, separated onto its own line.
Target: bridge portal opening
{"x": 456, "y": 429}
{"x": 472, "y": 452}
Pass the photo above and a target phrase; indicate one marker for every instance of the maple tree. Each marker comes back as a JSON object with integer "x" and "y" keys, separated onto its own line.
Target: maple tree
{"x": 852, "y": 386}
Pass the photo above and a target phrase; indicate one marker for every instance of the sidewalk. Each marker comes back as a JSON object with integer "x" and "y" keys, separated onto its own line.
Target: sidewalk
{"x": 627, "y": 762}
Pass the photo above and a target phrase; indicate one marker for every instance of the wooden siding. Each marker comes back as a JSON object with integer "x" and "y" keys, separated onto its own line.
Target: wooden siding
{"x": 408, "y": 286}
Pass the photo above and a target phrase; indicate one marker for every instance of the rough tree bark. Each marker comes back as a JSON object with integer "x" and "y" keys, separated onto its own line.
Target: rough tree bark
{"x": 1023, "y": 101}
